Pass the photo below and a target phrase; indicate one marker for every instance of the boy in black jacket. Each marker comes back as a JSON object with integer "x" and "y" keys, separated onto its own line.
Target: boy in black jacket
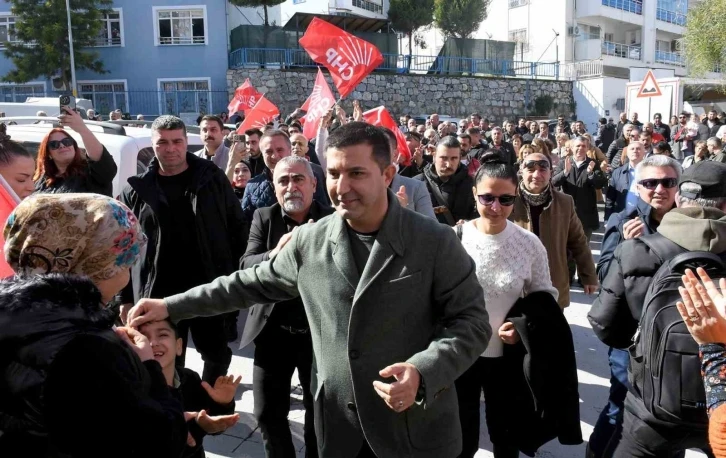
{"x": 208, "y": 410}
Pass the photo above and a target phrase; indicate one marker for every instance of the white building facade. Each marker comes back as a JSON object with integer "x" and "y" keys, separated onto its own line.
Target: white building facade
{"x": 280, "y": 14}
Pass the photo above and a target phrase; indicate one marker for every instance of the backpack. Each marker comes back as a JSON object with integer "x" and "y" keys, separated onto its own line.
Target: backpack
{"x": 665, "y": 368}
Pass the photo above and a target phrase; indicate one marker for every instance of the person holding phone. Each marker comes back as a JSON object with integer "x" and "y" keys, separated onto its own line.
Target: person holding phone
{"x": 64, "y": 167}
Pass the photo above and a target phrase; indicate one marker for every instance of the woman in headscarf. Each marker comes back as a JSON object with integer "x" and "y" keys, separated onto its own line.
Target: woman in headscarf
{"x": 71, "y": 384}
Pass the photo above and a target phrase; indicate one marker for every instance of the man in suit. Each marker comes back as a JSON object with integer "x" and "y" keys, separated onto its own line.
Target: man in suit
{"x": 380, "y": 309}
{"x": 280, "y": 331}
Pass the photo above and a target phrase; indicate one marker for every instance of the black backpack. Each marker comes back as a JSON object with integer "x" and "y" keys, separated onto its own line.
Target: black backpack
{"x": 665, "y": 369}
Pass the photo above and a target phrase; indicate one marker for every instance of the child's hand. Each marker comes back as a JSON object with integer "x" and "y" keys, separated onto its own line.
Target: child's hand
{"x": 224, "y": 389}
{"x": 217, "y": 424}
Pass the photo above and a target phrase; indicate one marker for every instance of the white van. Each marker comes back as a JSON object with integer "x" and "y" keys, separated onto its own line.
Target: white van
{"x": 130, "y": 147}
{"x": 33, "y": 105}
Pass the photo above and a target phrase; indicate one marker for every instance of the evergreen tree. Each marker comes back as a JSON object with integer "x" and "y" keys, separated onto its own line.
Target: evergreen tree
{"x": 704, "y": 42}
{"x": 408, "y": 16}
{"x": 255, "y": 3}
{"x": 460, "y": 18}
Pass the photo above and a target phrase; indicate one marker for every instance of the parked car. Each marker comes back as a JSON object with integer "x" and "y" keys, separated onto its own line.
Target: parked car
{"x": 130, "y": 147}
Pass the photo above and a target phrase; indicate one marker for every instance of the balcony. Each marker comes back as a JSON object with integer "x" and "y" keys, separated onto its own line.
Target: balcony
{"x": 631, "y": 6}
{"x": 670, "y": 58}
{"x": 621, "y": 50}
{"x": 673, "y": 17}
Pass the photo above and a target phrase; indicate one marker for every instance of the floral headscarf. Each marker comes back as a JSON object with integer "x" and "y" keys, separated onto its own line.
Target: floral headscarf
{"x": 85, "y": 234}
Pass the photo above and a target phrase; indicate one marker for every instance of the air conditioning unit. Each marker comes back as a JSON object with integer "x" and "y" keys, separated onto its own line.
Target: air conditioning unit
{"x": 58, "y": 85}
{"x": 574, "y": 31}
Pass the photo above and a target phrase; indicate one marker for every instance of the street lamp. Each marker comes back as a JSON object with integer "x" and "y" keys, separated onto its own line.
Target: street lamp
{"x": 70, "y": 43}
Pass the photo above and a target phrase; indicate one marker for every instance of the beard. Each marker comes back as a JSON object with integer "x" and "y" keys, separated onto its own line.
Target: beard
{"x": 293, "y": 202}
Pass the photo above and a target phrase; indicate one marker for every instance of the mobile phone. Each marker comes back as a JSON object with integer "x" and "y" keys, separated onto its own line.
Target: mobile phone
{"x": 238, "y": 138}
{"x": 65, "y": 101}
{"x": 424, "y": 141}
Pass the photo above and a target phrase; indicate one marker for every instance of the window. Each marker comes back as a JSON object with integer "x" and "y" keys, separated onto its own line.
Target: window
{"x": 517, "y": 3}
{"x": 105, "y": 95}
{"x": 7, "y": 30}
{"x": 111, "y": 33}
{"x": 609, "y": 37}
{"x": 19, "y": 93}
{"x": 620, "y": 104}
{"x": 519, "y": 36}
{"x": 368, "y": 5}
{"x": 588, "y": 32}
{"x": 181, "y": 25}
{"x": 185, "y": 96}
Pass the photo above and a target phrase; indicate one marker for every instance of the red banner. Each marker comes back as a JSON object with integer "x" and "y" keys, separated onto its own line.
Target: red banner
{"x": 348, "y": 58}
{"x": 381, "y": 117}
{"x": 245, "y": 97}
{"x": 258, "y": 117}
{"x": 8, "y": 201}
{"x": 319, "y": 102}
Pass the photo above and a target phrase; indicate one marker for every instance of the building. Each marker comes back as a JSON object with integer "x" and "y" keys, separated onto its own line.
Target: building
{"x": 161, "y": 56}
{"x": 280, "y": 14}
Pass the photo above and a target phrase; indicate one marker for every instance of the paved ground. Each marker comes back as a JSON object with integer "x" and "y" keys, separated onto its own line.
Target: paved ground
{"x": 244, "y": 440}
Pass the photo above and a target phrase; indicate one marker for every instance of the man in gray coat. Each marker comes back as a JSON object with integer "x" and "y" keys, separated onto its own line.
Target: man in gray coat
{"x": 396, "y": 313}
{"x": 214, "y": 150}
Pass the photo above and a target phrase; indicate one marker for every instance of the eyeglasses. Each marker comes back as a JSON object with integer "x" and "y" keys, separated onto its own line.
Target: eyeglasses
{"x": 505, "y": 200}
{"x": 542, "y": 164}
{"x": 58, "y": 144}
{"x": 652, "y": 183}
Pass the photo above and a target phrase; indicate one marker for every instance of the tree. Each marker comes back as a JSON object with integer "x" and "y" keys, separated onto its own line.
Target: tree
{"x": 255, "y": 3}
{"x": 460, "y": 18}
{"x": 41, "y": 38}
{"x": 704, "y": 42}
{"x": 408, "y": 16}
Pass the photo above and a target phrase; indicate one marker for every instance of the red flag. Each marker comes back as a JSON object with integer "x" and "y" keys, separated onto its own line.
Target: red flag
{"x": 8, "y": 201}
{"x": 258, "y": 117}
{"x": 381, "y": 117}
{"x": 317, "y": 105}
{"x": 348, "y": 58}
{"x": 245, "y": 97}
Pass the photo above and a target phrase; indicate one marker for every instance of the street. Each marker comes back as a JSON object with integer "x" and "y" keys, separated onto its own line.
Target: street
{"x": 244, "y": 439}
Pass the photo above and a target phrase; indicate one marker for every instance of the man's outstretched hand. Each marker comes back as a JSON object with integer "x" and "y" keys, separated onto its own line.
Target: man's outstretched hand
{"x": 146, "y": 311}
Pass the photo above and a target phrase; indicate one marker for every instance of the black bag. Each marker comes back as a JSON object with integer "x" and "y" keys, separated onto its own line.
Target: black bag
{"x": 665, "y": 369}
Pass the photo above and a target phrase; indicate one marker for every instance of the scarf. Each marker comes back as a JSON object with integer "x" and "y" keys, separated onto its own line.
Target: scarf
{"x": 535, "y": 200}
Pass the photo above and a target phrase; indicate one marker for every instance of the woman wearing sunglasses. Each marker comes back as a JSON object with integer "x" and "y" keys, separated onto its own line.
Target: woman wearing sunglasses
{"x": 510, "y": 263}
{"x": 63, "y": 167}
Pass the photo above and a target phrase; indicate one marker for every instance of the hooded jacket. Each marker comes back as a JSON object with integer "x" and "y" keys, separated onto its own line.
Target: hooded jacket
{"x": 457, "y": 193}
{"x": 62, "y": 368}
{"x": 615, "y": 314}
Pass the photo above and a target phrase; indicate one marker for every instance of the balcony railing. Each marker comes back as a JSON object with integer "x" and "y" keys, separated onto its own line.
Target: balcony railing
{"x": 584, "y": 69}
{"x": 671, "y": 58}
{"x": 632, "y": 6}
{"x": 272, "y": 58}
{"x": 104, "y": 41}
{"x": 620, "y": 50}
{"x": 674, "y": 17}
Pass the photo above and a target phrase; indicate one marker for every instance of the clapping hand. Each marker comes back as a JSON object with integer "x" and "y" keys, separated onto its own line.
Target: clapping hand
{"x": 633, "y": 229}
{"x": 402, "y": 197}
{"x": 357, "y": 111}
{"x": 703, "y": 308}
{"x": 591, "y": 167}
{"x": 568, "y": 165}
{"x": 224, "y": 389}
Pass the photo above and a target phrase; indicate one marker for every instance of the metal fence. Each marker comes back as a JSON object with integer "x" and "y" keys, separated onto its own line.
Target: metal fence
{"x": 251, "y": 58}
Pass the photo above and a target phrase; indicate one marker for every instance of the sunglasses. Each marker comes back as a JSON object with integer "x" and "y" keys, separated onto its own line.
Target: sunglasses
{"x": 542, "y": 164}
{"x": 652, "y": 183}
{"x": 58, "y": 144}
{"x": 505, "y": 200}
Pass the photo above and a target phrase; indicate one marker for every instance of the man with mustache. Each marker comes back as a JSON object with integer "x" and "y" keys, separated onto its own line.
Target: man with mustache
{"x": 281, "y": 334}
{"x": 449, "y": 184}
{"x": 214, "y": 150}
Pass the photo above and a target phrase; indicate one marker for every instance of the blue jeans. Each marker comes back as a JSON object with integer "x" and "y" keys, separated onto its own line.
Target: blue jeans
{"x": 609, "y": 426}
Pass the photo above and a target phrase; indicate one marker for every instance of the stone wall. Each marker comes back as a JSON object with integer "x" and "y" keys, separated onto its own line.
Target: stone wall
{"x": 496, "y": 98}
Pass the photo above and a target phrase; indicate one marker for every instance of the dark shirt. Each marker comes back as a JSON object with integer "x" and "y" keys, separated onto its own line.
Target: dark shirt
{"x": 257, "y": 165}
{"x": 179, "y": 265}
{"x": 535, "y": 212}
{"x": 361, "y": 245}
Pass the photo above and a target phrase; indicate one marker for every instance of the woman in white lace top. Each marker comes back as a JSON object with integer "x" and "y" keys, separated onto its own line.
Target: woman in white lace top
{"x": 510, "y": 263}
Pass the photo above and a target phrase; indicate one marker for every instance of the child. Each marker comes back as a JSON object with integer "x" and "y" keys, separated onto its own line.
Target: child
{"x": 208, "y": 410}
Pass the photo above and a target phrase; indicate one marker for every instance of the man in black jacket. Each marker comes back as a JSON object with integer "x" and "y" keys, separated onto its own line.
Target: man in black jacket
{"x": 712, "y": 124}
{"x": 504, "y": 148}
{"x": 699, "y": 223}
{"x": 616, "y": 148}
{"x": 280, "y": 331}
{"x": 449, "y": 184}
{"x": 661, "y": 128}
{"x": 622, "y": 123}
{"x": 605, "y": 134}
{"x": 193, "y": 221}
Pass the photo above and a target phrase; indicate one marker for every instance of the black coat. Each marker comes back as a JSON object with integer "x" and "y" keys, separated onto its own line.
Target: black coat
{"x": 62, "y": 368}
{"x": 268, "y": 227}
{"x": 550, "y": 408}
{"x": 413, "y": 170}
{"x": 712, "y": 131}
{"x": 605, "y": 136}
{"x": 664, "y": 130}
{"x": 615, "y": 151}
{"x": 97, "y": 178}
{"x": 506, "y": 150}
{"x": 457, "y": 193}
{"x": 221, "y": 232}
{"x": 582, "y": 186}
{"x": 617, "y": 191}
{"x": 619, "y": 128}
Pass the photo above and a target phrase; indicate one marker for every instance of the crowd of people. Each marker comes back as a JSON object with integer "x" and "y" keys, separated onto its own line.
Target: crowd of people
{"x": 400, "y": 285}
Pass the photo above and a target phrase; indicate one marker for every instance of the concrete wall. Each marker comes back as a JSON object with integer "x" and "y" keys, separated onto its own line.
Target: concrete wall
{"x": 414, "y": 94}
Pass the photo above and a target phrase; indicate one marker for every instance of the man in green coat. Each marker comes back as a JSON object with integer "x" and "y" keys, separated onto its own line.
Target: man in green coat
{"x": 395, "y": 310}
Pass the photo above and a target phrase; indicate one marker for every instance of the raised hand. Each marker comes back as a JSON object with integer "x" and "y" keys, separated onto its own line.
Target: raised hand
{"x": 402, "y": 197}
{"x": 224, "y": 389}
{"x": 703, "y": 308}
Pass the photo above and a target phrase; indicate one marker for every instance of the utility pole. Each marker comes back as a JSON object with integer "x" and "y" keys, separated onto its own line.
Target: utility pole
{"x": 70, "y": 43}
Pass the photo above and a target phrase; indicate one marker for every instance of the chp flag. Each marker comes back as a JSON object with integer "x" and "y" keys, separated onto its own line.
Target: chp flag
{"x": 263, "y": 113}
{"x": 382, "y": 118}
{"x": 8, "y": 201}
{"x": 348, "y": 58}
{"x": 319, "y": 102}
{"x": 245, "y": 98}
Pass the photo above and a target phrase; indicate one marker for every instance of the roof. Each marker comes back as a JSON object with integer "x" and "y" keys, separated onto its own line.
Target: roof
{"x": 300, "y": 21}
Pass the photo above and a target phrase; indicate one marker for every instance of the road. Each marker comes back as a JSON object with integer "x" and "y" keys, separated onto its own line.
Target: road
{"x": 244, "y": 439}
